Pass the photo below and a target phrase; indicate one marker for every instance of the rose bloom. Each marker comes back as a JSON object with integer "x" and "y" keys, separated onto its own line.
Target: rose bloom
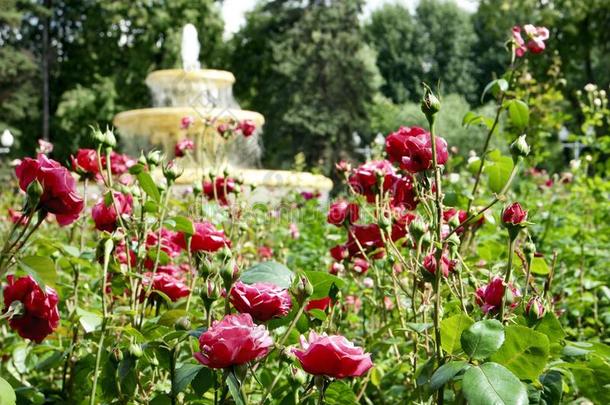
{"x": 265, "y": 252}
{"x": 59, "y": 195}
{"x": 402, "y": 191}
{"x": 85, "y": 163}
{"x": 462, "y": 217}
{"x": 44, "y": 146}
{"x": 368, "y": 237}
{"x": 220, "y": 190}
{"x": 105, "y": 216}
{"x": 447, "y": 265}
{"x": 536, "y": 37}
{"x": 247, "y": 127}
{"x": 186, "y": 122}
{"x": 489, "y": 297}
{"x": 332, "y": 356}
{"x": 401, "y": 221}
{"x": 514, "y": 214}
{"x": 261, "y": 300}
{"x": 169, "y": 242}
{"x": 322, "y": 304}
{"x": 360, "y": 265}
{"x": 120, "y": 163}
{"x": 412, "y": 149}
{"x": 233, "y": 341}
{"x": 342, "y": 211}
{"x": 40, "y": 316}
{"x": 183, "y": 146}
{"x": 206, "y": 238}
{"x": 363, "y": 179}
{"x": 518, "y": 42}
{"x": 169, "y": 285}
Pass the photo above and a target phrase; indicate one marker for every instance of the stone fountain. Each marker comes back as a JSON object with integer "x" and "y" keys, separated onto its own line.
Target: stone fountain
{"x": 204, "y": 98}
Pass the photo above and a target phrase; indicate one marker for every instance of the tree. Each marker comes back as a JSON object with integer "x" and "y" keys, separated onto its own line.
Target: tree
{"x": 434, "y": 45}
{"x": 320, "y": 75}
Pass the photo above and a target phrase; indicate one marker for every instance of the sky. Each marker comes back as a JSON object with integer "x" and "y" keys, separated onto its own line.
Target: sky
{"x": 233, "y": 11}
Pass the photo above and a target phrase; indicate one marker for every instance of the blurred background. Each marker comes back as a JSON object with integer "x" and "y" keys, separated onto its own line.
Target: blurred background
{"x": 328, "y": 75}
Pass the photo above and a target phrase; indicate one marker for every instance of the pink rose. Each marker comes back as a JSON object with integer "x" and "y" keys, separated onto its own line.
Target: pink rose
{"x": 514, "y": 214}
{"x": 172, "y": 287}
{"x": 489, "y": 297}
{"x": 332, "y": 356}
{"x": 85, "y": 163}
{"x": 261, "y": 300}
{"x": 183, "y": 146}
{"x": 206, "y": 238}
{"x": 105, "y": 215}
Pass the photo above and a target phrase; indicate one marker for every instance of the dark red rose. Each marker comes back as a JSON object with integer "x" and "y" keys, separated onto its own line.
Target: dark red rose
{"x": 309, "y": 195}
{"x": 369, "y": 239}
{"x": 412, "y": 149}
{"x": 220, "y": 190}
{"x": 322, "y": 304}
{"x": 40, "y": 316}
{"x": 489, "y": 297}
{"x": 360, "y": 265}
{"x": 233, "y": 341}
{"x": 59, "y": 195}
{"x": 514, "y": 214}
{"x": 183, "y": 146}
{"x": 342, "y": 211}
{"x": 332, "y": 356}
{"x": 447, "y": 264}
{"x": 85, "y": 163}
{"x": 247, "y": 127}
{"x": 402, "y": 191}
{"x": 104, "y": 213}
{"x": 263, "y": 301}
{"x": 174, "y": 288}
{"x": 395, "y": 143}
{"x": 364, "y": 179}
{"x": 206, "y": 238}
{"x": 401, "y": 221}
{"x": 339, "y": 252}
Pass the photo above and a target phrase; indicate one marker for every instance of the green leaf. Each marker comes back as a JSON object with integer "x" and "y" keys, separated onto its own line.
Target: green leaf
{"x": 318, "y": 314}
{"x": 539, "y": 266}
{"x": 203, "y": 381}
{"x": 148, "y": 185}
{"x": 490, "y": 383}
{"x": 170, "y": 317}
{"x": 7, "y": 394}
{"x": 498, "y": 171}
{"x": 524, "y": 352}
{"x": 451, "y": 330}
{"x": 268, "y": 272}
{"x": 482, "y": 339}
{"x": 518, "y": 113}
{"x": 182, "y": 224}
{"x": 376, "y": 376}
{"x": 445, "y": 373}
{"x": 184, "y": 375}
{"x": 593, "y": 380}
{"x": 339, "y": 393}
{"x": 322, "y": 282}
{"x": 234, "y": 388}
{"x": 552, "y": 387}
{"x": 41, "y": 268}
{"x": 88, "y": 320}
{"x": 495, "y": 86}
{"x": 551, "y": 327}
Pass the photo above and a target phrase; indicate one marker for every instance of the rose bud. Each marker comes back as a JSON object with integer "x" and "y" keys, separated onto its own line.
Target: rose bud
{"x": 172, "y": 287}
{"x": 39, "y": 316}
{"x": 342, "y": 211}
{"x": 360, "y": 265}
{"x": 186, "y": 122}
{"x": 339, "y": 252}
{"x": 183, "y": 146}
{"x": 85, "y": 163}
{"x": 520, "y": 148}
{"x": 104, "y": 213}
{"x": 514, "y": 215}
{"x": 233, "y": 341}
{"x": 348, "y": 360}
{"x": 518, "y": 42}
{"x": 447, "y": 265}
{"x": 59, "y": 188}
{"x": 247, "y": 128}
{"x": 489, "y": 297}
{"x": 206, "y": 238}
{"x": 263, "y": 301}
{"x": 430, "y": 104}
{"x": 336, "y": 268}
{"x": 535, "y": 309}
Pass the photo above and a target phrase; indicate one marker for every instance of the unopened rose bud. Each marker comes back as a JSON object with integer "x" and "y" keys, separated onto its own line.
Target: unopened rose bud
{"x": 417, "y": 228}
{"x": 135, "y": 350}
{"x": 227, "y": 275}
{"x": 529, "y": 248}
{"x": 34, "y": 192}
{"x": 520, "y": 148}
{"x": 154, "y": 158}
{"x": 430, "y": 104}
{"x": 303, "y": 288}
{"x": 183, "y": 323}
{"x": 535, "y": 309}
{"x": 172, "y": 171}
{"x": 109, "y": 140}
{"x": 454, "y": 221}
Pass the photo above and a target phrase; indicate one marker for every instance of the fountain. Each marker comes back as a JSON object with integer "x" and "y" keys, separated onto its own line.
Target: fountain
{"x": 193, "y": 103}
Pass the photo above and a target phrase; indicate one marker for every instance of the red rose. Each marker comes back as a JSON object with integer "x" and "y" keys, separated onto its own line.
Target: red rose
{"x": 59, "y": 187}
{"x": 85, "y": 163}
{"x": 182, "y": 146}
{"x": 341, "y": 211}
{"x": 104, "y": 213}
{"x": 412, "y": 149}
{"x": 536, "y": 37}
{"x": 169, "y": 242}
{"x": 40, "y": 316}
{"x": 395, "y": 145}
{"x": 265, "y": 252}
{"x": 447, "y": 265}
{"x": 514, "y": 214}
{"x": 186, "y": 122}
{"x": 119, "y": 163}
{"x": 333, "y": 356}
{"x": 360, "y": 265}
{"x": 364, "y": 179}
{"x": 309, "y": 195}
{"x": 261, "y": 300}
{"x": 401, "y": 220}
{"x": 368, "y": 238}
{"x": 120, "y": 254}
{"x": 402, "y": 191}
{"x": 489, "y": 297}
{"x": 322, "y": 304}
{"x": 206, "y": 238}
{"x": 233, "y": 341}
{"x": 339, "y": 252}
{"x": 220, "y": 190}
{"x": 247, "y": 127}
{"x": 169, "y": 285}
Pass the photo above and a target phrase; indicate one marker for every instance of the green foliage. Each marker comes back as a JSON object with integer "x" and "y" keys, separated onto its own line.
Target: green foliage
{"x": 490, "y": 383}
{"x": 483, "y": 339}
{"x": 268, "y": 272}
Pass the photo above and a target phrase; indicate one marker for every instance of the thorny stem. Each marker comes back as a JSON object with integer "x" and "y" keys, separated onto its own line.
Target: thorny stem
{"x": 509, "y": 268}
